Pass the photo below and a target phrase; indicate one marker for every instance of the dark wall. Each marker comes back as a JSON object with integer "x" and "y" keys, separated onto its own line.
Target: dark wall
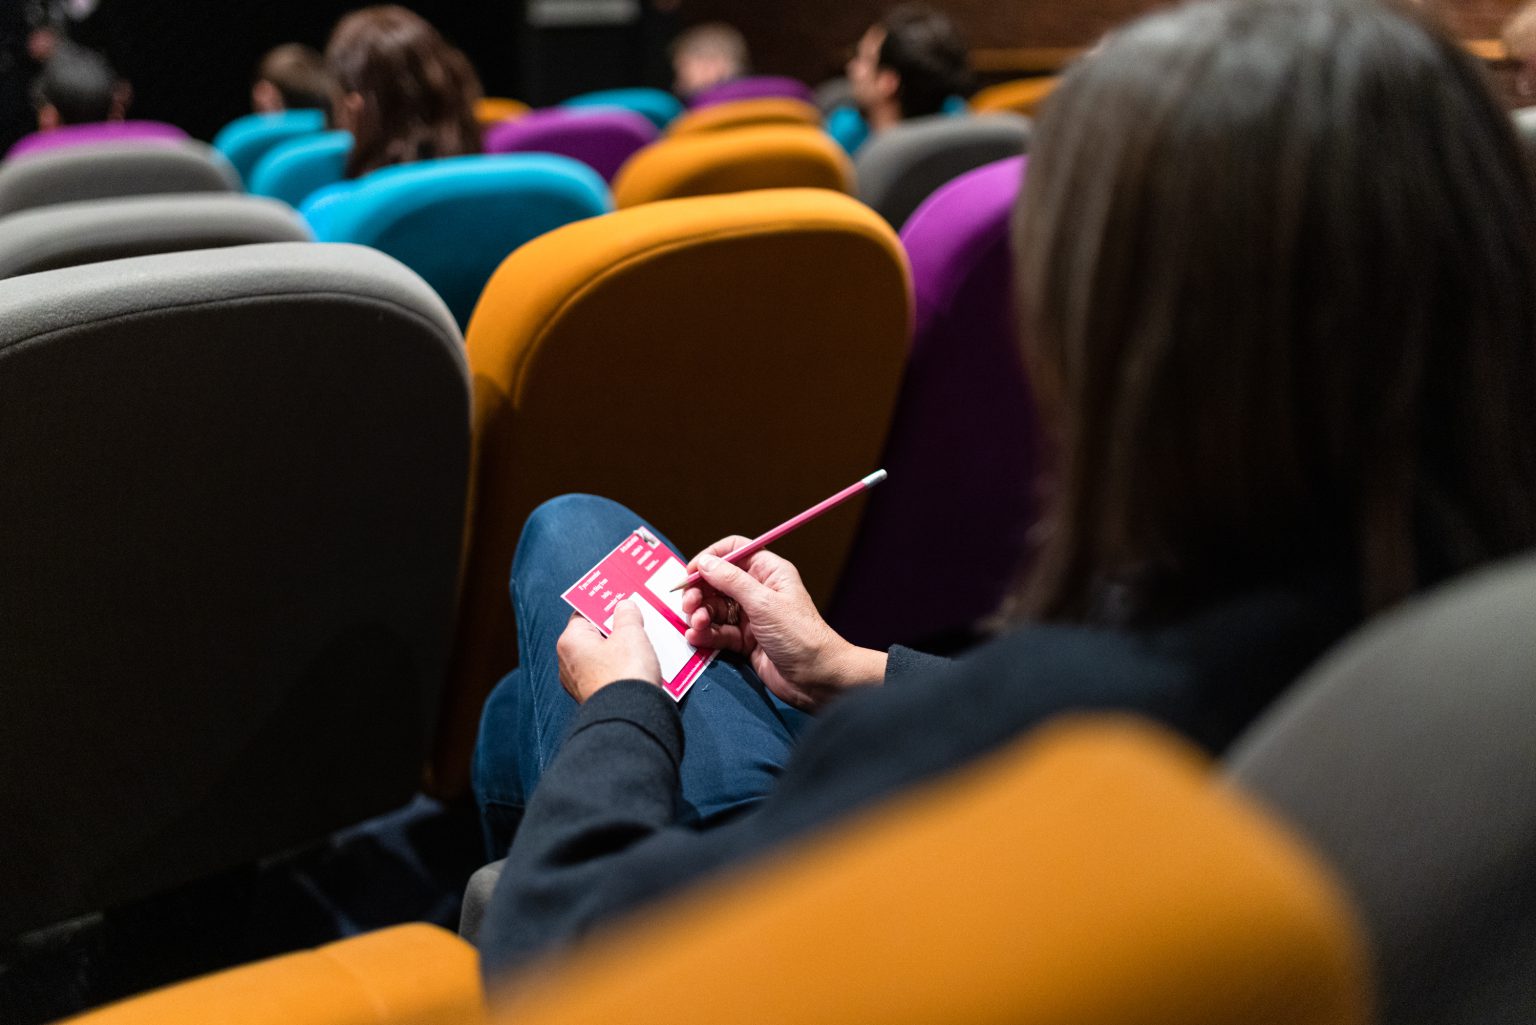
{"x": 190, "y": 61}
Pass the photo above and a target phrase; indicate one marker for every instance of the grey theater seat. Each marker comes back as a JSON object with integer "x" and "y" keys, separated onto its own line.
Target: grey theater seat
{"x": 1525, "y": 129}
{"x": 1408, "y": 758}
{"x": 69, "y": 234}
{"x": 231, "y": 498}
{"x": 904, "y": 165}
{"x": 73, "y": 173}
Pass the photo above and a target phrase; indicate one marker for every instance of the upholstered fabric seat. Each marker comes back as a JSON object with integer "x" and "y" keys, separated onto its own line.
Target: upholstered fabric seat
{"x": 707, "y": 163}
{"x": 454, "y": 220}
{"x": 295, "y": 170}
{"x": 754, "y": 87}
{"x": 904, "y": 165}
{"x": 1021, "y": 96}
{"x": 772, "y": 110}
{"x": 231, "y": 538}
{"x": 245, "y": 140}
{"x": 962, "y": 451}
{"x": 94, "y": 134}
{"x": 110, "y": 169}
{"x": 1407, "y": 759}
{"x": 660, "y": 107}
{"x": 1092, "y": 873}
{"x": 406, "y": 975}
{"x": 490, "y": 110}
{"x": 69, "y": 234}
{"x": 601, "y": 139}
{"x": 601, "y": 348}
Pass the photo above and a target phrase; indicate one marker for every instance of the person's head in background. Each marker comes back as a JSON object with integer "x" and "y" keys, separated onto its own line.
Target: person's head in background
{"x": 707, "y": 55}
{"x": 77, "y": 86}
{"x": 403, "y": 92}
{"x": 1277, "y": 282}
{"x": 291, "y": 77}
{"x": 908, "y": 65}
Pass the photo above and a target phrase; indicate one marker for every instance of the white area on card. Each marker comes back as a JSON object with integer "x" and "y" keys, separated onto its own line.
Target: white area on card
{"x": 671, "y": 650}
{"x": 667, "y": 576}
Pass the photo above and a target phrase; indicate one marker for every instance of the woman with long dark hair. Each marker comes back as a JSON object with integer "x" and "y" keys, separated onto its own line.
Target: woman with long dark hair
{"x": 1277, "y": 277}
{"x": 403, "y": 92}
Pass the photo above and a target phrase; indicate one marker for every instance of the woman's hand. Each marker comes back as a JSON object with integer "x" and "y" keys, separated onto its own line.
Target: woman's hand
{"x": 761, "y": 609}
{"x": 589, "y": 661}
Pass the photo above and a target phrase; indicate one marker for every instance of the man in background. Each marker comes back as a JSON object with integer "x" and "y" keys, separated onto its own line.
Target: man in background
{"x": 708, "y": 55}
{"x": 291, "y": 77}
{"x": 908, "y": 65}
{"x": 76, "y": 87}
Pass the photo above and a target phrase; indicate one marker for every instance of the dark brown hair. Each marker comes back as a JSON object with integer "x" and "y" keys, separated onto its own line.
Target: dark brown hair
{"x": 1278, "y": 286}
{"x": 418, "y": 92}
{"x": 299, "y": 75}
{"x": 928, "y": 55}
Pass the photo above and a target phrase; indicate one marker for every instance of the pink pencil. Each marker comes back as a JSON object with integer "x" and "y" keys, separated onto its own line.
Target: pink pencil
{"x": 764, "y": 540}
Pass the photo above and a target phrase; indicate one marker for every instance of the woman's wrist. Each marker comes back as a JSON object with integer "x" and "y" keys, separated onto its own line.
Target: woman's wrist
{"x": 853, "y": 666}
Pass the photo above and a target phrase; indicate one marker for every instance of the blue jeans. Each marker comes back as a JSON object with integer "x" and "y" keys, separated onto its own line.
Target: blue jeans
{"x": 737, "y": 735}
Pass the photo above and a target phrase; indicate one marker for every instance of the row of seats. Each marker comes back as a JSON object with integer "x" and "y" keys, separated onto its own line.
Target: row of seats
{"x": 1352, "y": 863}
{"x": 806, "y": 287}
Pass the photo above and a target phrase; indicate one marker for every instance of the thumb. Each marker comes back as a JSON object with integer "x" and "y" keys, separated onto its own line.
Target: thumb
{"x": 627, "y": 615}
{"x": 733, "y": 581}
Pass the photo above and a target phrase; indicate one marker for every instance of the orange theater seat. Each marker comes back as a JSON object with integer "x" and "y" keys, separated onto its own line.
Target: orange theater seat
{"x": 1022, "y": 95}
{"x": 717, "y": 363}
{"x": 408, "y": 975}
{"x": 706, "y": 163}
{"x": 1093, "y": 873}
{"x": 490, "y": 110}
{"x": 768, "y": 110}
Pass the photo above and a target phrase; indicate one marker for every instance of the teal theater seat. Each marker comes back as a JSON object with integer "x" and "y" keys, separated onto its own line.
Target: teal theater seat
{"x": 245, "y": 140}
{"x": 294, "y": 170}
{"x": 454, "y": 220}
{"x": 660, "y": 107}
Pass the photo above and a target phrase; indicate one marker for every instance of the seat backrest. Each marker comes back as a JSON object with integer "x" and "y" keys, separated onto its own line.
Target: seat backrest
{"x": 660, "y": 107}
{"x": 601, "y": 139}
{"x": 1021, "y": 96}
{"x": 405, "y": 975}
{"x": 709, "y": 163}
{"x": 904, "y": 165}
{"x": 231, "y": 534}
{"x": 1090, "y": 873}
{"x": 1408, "y": 758}
{"x": 294, "y": 170}
{"x": 773, "y": 110}
{"x": 454, "y": 220}
{"x": 962, "y": 448}
{"x": 245, "y": 140}
{"x": 69, "y": 234}
{"x": 490, "y": 110}
{"x": 94, "y": 134}
{"x": 146, "y": 168}
{"x": 754, "y": 87}
{"x": 799, "y": 296}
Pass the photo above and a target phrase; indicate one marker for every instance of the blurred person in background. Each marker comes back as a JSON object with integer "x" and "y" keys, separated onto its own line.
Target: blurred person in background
{"x": 1287, "y": 380}
{"x": 291, "y": 77}
{"x": 402, "y": 90}
{"x": 906, "y": 65}
{"x": 706, "y": 56}
{"x": 77, "y": 87}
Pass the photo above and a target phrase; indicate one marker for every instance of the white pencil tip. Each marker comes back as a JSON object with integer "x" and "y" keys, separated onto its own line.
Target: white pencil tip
{"x": 875, "y": 478}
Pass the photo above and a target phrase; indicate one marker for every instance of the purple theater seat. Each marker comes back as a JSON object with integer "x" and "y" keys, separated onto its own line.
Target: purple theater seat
{"x": 942, "y": 540}
{"x": 755, "y": 87}
{"x": 601, "y": 138}
{"x": 94, "y": 133}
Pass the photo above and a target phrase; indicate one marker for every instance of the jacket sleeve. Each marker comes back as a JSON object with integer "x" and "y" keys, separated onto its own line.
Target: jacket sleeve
{"x": 904, "y": 664}
{"x": 613, "y": 783}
